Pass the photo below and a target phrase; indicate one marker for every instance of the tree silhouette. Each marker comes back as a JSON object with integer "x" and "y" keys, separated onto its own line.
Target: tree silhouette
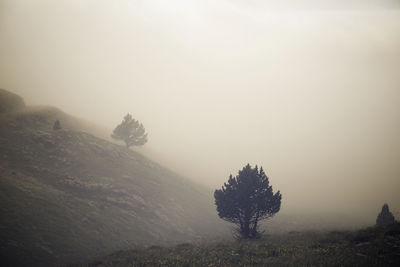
{"x": 246, "y": 199}
{"x": 57, "y": 125}
{"x": 130, "y": 131}
{"x": 385, "y": 216}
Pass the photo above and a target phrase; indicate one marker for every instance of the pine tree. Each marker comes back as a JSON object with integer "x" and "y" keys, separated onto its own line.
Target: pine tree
{"x": 246, "y": 199}
{"x": 130, "y": 131}
{"x": 57, "y": 125}
{"x": 385, "y": 216}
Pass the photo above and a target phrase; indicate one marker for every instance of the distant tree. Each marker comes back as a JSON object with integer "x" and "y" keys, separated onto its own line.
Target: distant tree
{"x": 57, "y": 125}
{"x": 385, "y": 216}
{"x": 130, "y": 131}
{"x": 246, "y": 199}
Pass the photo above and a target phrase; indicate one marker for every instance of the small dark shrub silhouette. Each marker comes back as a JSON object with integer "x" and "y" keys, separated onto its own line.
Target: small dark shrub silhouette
{"x": 385, "y": 217}
{"x": 57, "y": 125}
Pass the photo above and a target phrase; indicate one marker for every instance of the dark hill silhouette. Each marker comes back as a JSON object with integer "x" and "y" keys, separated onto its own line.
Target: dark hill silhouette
{"x": 67, "y": 195}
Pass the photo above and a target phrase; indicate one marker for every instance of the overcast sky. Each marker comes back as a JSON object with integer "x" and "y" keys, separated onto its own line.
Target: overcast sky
{"x": 310, "y": 90}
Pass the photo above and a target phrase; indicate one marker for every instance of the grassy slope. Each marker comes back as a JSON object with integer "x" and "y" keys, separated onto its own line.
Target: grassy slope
{"x": 375, "y": 246}
{"x": 66, "y": 195}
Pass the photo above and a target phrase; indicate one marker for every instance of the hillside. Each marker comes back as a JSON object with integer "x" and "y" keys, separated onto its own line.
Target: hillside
{"x": 374, "y": 246}
{"x": 67, "y": 195}
{"x": 10, "y": 102}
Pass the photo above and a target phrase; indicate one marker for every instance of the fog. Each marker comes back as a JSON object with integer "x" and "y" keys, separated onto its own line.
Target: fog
{"x": 309, "y": 90}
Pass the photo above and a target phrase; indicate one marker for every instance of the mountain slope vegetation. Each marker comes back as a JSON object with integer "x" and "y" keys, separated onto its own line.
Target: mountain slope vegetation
{"x": 67, "y": 195}
{"x": 373, "y": 246}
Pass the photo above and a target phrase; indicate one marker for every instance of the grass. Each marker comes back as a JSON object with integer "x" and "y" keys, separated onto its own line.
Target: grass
{"x": 375, "y": 246}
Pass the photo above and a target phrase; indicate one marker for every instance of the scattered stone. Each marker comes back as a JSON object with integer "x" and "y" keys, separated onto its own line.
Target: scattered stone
{"x": 363, "y": 244}
{"x": 361, "y": 255}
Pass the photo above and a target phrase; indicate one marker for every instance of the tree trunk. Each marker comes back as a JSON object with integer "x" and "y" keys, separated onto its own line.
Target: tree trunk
{"x": 254, "y": 228}
{"x": 245, "y": 228}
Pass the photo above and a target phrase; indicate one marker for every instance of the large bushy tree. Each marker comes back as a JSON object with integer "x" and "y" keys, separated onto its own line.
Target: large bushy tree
{"x": 246, "y": 199}
{"x": 130, "y": 131}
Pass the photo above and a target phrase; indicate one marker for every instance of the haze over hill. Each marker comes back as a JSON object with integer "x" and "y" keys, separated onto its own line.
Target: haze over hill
{"x": 66, "y": 195}
{"x": 307, "y": 89}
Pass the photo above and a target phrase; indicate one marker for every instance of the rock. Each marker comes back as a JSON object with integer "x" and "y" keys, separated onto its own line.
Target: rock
{"x": 385, "y": 217}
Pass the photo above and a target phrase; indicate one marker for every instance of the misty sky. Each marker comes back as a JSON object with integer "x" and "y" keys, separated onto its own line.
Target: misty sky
{"x": 310, "y": 90}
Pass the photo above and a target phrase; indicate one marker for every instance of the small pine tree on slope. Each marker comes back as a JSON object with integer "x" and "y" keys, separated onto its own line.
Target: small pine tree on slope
{"x": 130, "y": 131}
